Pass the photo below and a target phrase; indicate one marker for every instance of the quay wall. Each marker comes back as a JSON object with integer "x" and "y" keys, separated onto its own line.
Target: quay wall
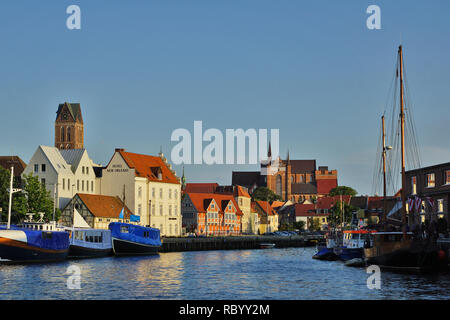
{"x": 232, "y": 243}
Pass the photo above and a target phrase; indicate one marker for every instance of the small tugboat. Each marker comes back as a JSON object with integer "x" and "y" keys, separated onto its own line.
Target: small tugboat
{"x": 130, "y": 239}
{"x": 31, "y": 241}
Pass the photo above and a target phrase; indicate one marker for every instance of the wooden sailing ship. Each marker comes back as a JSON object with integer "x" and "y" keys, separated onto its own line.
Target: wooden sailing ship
{"x": 400, "y": 250}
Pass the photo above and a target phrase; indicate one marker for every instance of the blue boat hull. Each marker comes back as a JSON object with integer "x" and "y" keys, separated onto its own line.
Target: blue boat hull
{"x": 351, "y": 253}
{"x": 326, "y": 254}
{"x": 22, "y": 253}
{"x": 129, "y": 248}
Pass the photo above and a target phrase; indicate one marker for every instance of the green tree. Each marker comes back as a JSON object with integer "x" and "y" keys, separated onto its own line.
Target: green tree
{"x": 18, "y": 208}
{"x": 343, "y": 190}
{"x": 265, "y": 194}
{"x": 313, "y": 224}
{"x": 38, "y": 197}
{"x": 300, "y": 225}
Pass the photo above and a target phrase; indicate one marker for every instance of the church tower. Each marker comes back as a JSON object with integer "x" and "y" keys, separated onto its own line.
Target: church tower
{"x": 69, "y": 128}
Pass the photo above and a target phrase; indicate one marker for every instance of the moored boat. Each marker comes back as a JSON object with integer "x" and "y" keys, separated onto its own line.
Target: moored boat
{"x": 89, "y": 243}
{"x": 33, "y": 242}
{"x": 353, "y": 244}
{"x": 130, "y": 239}
{"x": 266, "y": 245}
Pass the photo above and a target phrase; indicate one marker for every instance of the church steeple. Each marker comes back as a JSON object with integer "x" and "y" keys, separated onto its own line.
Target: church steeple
{"x": 69, "y": 127}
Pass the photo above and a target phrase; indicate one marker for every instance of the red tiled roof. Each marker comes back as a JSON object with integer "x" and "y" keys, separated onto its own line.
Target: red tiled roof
{"x": 304, "y": 210}
{"x": 328, "y": 202}
{"x": 242, "y": 192}
{"x": 266, "y": 207}
{"x": 324, "y": 186}
{"x": 104, "y": 206}
{"x": 201, "y": 187}
{"x": 148, "y": 166}
{"x": 201, "y": 201}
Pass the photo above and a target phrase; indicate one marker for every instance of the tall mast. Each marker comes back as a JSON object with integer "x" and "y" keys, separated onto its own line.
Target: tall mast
{"x": 384, "y": 174}
{"x": 402, "y": 121}
{"x": 11, "y": 191}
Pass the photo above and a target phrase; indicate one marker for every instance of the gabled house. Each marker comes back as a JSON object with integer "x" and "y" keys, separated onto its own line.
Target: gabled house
{"x": 63, "y": 172}
{"x": 267, "y": 216}
{"x": 96, "y": 210}
{"x": 148, "y": 186}
{"x": 211, "y": 214}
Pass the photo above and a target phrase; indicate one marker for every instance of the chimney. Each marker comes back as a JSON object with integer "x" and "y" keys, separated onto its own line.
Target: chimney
{"x": 120, "y": 150}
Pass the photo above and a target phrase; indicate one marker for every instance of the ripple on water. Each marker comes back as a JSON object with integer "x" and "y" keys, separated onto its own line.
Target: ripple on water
{"x": 235, "y": 274}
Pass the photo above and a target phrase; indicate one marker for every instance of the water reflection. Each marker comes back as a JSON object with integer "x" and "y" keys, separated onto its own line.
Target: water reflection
{"x": 235, "y": 274}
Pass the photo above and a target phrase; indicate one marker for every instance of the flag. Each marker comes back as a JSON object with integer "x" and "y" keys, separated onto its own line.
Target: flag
{"x": 134, "y": 218}
{"x": 431, "y": 202}
{"x": 121, "y": 214}
{"x": 411, "y": 204}
{"x": 418, "y": 204}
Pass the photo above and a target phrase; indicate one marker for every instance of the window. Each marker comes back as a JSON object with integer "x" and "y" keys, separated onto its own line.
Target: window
{"x": 43, "y": 167}
{"x": 87, "y": 186}
{"x": 62, "y": 134}
{"x": 175, "y": 211}
{"x": 170, "y": 210}
{"x": 78, "y": 185}
{"x": 160, "y": 210}
{"x": 82, "y": 170}
{"x": 153, "y": 192}
{"x": 36, "y": 168}
{"x": 440, "y": 205}
{"x": 447, "y": 177}
{"x": 43, "y": 182}
{"x": 139, "y": 208}
{"x": 68, "y": 184}
{"x": 68, "y": 134}
{"x": 170, "y": 193}
{"x": 82, "y": 185}
{"x": 140, "y": 192}
{"x": 92, "y": 186}
{"x": 175, "y": 194}
{"x": 160, "y": 193}
{"x": 153, "y": 209}
{"x": 87, "y": 170}
{"x": 64, "y": 184}
{"x": 413, "y": 185}
{"x": 422, "y": 207}
{"x": 430, "y": 180}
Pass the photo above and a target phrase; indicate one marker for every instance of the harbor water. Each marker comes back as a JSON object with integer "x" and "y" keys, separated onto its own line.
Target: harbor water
{"x": 281, "y": 274}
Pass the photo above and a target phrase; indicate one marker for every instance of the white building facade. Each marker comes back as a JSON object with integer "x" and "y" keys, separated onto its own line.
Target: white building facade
{"x": 148, "y": 186}
{"x": 64, "y": 172}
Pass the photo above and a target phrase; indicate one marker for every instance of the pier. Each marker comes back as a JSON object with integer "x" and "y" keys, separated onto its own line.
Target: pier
{"x": 234, "y": 242}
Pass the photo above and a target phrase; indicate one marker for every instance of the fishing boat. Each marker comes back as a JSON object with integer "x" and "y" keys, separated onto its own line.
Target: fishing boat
{"x": 130, "y": 239}
{"x": 31, "y": 241}
{"x": 353, "y": 244}
{"x": 400, "y": 250}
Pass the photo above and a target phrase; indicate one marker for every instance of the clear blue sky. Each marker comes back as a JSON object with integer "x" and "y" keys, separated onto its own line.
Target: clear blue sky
{"x": 141, "y": 69}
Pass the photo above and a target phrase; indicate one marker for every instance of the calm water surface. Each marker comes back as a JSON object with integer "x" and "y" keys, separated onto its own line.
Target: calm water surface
{"x": 239, "y": 274}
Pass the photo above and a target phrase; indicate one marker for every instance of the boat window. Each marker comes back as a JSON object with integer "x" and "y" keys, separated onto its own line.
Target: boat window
{"x": 124, "y": 229}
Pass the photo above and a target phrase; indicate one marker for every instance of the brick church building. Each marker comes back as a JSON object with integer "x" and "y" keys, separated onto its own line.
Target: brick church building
{"x": 294, "y": 180}
{"x": 69, "y": 127}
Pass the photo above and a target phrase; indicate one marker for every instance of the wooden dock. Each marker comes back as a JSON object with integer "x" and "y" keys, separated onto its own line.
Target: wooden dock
{"x": 233, "y": 243}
